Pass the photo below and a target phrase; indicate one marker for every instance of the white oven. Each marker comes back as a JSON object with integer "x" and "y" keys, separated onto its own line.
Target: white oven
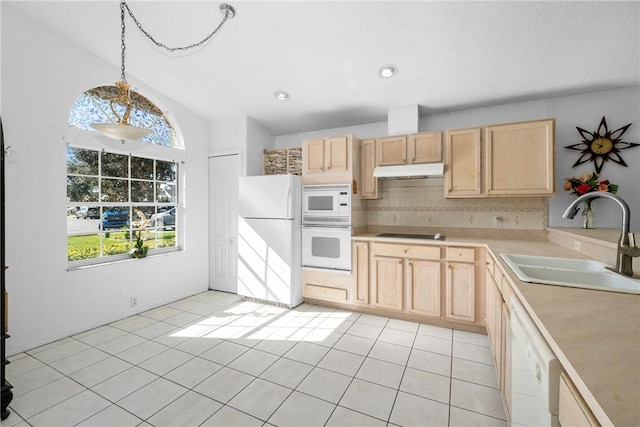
{"x": 326, "y": 247}
{"x": 326, "y": 205}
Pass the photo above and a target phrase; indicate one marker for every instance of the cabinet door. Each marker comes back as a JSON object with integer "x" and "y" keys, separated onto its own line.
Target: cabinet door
{"x": 336, "y": 154}
{"x": 392, "y": 151}
{"x": 387, "y": 283}
{"x": 367, "y": 164}
{"x": 423, "y": 287}
{"x": 519, "y": 159}
{"x": 462, "y": 174}
{"x": 313, "y": 156}
{"x": 460, "y": 293}
{"x": 361, "y": 272}
{"x": 425, "y": 148}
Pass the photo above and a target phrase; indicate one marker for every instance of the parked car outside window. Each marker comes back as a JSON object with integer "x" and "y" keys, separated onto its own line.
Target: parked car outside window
{"x": 114, "y": 218}
{"x": 164, "y": 219}
{"x": 86, "y": 212}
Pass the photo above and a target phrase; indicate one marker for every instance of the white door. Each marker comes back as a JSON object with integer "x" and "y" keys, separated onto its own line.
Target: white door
{"x": 224, "y": 172}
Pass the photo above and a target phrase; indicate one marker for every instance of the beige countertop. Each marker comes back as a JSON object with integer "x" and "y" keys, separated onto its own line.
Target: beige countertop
{"x": 594, "y": 334}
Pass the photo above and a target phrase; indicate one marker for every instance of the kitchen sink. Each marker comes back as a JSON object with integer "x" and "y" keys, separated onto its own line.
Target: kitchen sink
{"x": 577, "y": 273}
{"x": 436, "y": 236}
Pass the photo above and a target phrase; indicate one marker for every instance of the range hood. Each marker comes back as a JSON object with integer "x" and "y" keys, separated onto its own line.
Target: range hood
{"x": 424, "y": 170}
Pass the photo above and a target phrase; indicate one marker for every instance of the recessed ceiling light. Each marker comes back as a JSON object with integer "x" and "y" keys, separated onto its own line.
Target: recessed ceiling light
{"x": 388, "y": 71}
{"x": 281, "y": 95}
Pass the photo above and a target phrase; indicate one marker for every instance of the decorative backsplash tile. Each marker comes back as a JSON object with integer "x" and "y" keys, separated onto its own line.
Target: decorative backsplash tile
{"x": 421, "y": 202}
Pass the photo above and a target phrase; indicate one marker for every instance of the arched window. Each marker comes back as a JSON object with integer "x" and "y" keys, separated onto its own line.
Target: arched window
{"x": 93, "y": 106}
{"x": 114, "y": 198}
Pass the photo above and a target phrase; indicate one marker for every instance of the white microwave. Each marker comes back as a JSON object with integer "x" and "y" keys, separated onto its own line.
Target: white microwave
{"x": 328, "y": 205}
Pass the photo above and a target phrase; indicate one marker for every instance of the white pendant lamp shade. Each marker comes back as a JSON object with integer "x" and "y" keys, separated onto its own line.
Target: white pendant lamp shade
{"x": 121, "y": 131}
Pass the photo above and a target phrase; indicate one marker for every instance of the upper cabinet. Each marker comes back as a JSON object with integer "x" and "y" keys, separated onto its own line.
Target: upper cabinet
{"x": 330, "y": 160}
{"x": 462, "y": 177}
{"x": 510, "y": 160}
{"x": 369, "y": 183}
{"x": 519, "y": 159}
{"x": 407, "y": 149}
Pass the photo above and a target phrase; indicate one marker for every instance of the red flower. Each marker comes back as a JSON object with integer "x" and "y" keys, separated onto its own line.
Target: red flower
{"x": 583, "y": 188}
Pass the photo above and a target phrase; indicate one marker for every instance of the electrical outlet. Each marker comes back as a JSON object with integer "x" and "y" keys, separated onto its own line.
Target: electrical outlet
{"x": 134, "y": 301}
{"x": 497, "y": 221}
{"x": 576, "y": 245}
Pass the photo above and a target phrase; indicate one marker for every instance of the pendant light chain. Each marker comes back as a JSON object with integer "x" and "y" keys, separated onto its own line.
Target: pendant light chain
{"x": 122, "y": 44}
{"x": 227, "y": 11}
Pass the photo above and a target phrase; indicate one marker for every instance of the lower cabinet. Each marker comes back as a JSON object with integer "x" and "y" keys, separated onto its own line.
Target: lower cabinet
{"x": 387, "y": 282}
{"x": 572, "y": 409}
{"x": 423, "y": 284}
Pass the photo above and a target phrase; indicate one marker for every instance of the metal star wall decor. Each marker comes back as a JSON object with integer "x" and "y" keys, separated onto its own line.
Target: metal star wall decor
{"x": 601, "y": 146}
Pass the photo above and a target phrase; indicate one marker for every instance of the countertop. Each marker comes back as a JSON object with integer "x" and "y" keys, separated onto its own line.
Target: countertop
{"x": 594, "y": 334}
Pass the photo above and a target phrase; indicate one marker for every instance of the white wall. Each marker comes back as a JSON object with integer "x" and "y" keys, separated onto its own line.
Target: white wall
{"x": 258, "y": 140}
{"x": 42, "y": 75}
{"x": 620, "y": 107}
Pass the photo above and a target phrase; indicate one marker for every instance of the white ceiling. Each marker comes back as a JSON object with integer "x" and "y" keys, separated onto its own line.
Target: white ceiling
{"x": 451, "y": 55}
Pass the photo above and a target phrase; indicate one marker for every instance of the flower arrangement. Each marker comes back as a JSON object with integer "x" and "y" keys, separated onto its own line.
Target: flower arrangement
{"x": 140, "y": 249}
{"x": 588, "y": 183}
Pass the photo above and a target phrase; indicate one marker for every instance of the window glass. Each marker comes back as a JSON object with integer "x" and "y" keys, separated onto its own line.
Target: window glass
{"x": 107, "y": 211}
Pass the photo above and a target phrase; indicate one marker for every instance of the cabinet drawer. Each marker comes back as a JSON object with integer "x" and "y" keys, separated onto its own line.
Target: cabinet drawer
{"x": 461, "y": 254}
{"x": 325, "y": 293}
{"x": 573, "y": 410}
{"x": 406, "y": 251}
{"x": 490, "y": 265}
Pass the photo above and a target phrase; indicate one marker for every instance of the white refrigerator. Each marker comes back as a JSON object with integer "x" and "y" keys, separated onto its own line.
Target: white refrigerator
{"x": 269, "y": 238}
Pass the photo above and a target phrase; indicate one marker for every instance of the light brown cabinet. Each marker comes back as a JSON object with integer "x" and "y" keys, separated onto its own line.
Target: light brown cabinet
{"x": 370, "y": 183}
{"x": 460, "y": 284}
{"x": 387, "y": 282}
{"x": 518, "y": 159}
{"x": 360, "y": 262}
{"x": 573, "y": 411}
{"x": 331, "y": 160}
{"x": 508, "y": 160}
{"x": 407, "y": 149}
{"x": 498, "y": 295}
{"x": 423, "y": 286}
{"x": 462, "y": 176}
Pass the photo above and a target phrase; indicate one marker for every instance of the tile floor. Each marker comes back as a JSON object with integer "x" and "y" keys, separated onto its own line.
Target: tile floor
{"x": 214, "y": 360}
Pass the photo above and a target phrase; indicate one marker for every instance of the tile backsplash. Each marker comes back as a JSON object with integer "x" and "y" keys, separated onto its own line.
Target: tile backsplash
{"x": 421, "y": 202}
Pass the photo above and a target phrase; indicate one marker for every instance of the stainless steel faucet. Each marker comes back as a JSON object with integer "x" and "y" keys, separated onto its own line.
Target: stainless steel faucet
{"x": 627, "y": 248}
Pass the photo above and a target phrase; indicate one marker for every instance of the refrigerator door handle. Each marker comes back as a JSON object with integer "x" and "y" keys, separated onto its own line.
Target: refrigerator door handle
{"x": 290, "y": 211}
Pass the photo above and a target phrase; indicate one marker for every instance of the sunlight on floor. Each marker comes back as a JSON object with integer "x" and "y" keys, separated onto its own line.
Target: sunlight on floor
{"x": 252, "y": 321}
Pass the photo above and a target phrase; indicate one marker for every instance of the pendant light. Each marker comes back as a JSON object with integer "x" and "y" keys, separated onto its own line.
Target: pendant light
{"x": 122, "y": 129}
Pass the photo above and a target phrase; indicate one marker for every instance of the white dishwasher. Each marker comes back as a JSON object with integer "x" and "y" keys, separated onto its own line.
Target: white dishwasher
{"x": 535, "y": 373}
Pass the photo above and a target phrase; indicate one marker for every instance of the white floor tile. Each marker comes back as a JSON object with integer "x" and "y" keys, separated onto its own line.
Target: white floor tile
{"x": 474, "y": 372}
{"x": 381, "y": 372}
{"x": 477, "y": 398}
{"x": 369, "y": 398}
{"x": 341, "y": 362}
{"x": 29, "y": 381}
{"x": 224, "y": 384}
{"x": 302, "y": 410}
{"x": 390, "y": 352}
{"x": 152, "y": 398}
{"x": 198, "y": 345}
{"x": 193, "y": 372}
{"x": 365, "y": 330}
{"x": 433, "y": 344}
{"x": 133, "y": 323}
{"x": 111, "y": 416}
{"x": 166, "y": 362}
{"x": 101, "y": 335}
{"x": 71, "y": 411}
{"x": 403, "y": 325}
{"x": 395, "y": 336}
{"x": 79, "y": 360}
{"x": 471, "y": 338}
{"x": 224, "y": 353}
{"x": 426, "y": 384}
{"x": 353, "y": 344}
{"x": 326, "y": 385}
{"x": 343, "y": 417}
{"x": 142, "y": 352}
{"x": 435, "y": 331}
{"x": 307, "y": 353}
{"x": 373, "y": 320}
{"x": 121, "y": 343}
{"x": 190, "y": 409}
{"x": 98, "y": 372}
{"x": 253, "y": 362}
{"x": 431, "y": 362}
{"x": 475, "y": 353}
{"x": 260, "y": 398}
{"x": 230, "y": 417}
{"x": 45, "y": 397}
{"x": 410, "y": 410}
{"x": 22, "y": 365}
{"x": 123, "y": 384}
{"x": 61, "y": 351}
{"x": 275, "y": 346}
{"x": 287, "y": 372}
{"x": 463, "y": 418}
